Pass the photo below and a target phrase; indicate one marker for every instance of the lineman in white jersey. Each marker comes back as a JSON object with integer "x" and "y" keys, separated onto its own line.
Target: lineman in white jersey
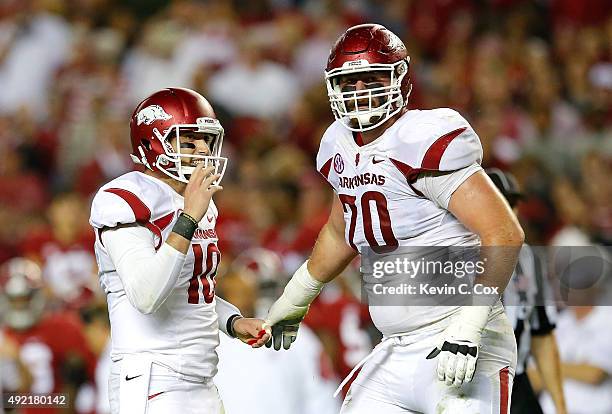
{"x": 156, "y": 249}
{"x": 408, "y": 178}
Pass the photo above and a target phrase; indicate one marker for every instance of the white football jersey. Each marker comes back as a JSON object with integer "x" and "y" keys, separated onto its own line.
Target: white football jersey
{"x": 183, "y": 333}
{"x": 382, "y": 206}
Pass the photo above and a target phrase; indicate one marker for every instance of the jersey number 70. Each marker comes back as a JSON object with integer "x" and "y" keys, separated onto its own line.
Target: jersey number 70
{"x": 349, "y": 202}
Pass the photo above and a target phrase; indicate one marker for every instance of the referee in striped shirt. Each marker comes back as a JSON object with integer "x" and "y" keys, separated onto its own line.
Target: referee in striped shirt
{"x": 530, "y": 308}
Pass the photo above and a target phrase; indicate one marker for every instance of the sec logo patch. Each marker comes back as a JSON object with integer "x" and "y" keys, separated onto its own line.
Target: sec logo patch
{"x": 338, "y": 163}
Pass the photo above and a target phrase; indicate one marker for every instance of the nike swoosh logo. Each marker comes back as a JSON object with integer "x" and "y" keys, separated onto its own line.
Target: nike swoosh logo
{"x": 155, "y": 395}
{"x": 375, "y": 161}
{"x": 131, "y": 378}
{"x": 210, "y": 219}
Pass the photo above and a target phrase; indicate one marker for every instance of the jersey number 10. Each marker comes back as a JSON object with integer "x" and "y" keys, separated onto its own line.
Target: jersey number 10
{"x": 204, "y": 276}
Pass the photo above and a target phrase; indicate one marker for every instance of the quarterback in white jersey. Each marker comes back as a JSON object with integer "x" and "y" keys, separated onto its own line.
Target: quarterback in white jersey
{"x": 408, "y": 178}
{"x": 157, "y": 254}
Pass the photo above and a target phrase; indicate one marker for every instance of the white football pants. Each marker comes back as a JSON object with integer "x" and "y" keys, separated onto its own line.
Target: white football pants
{"x": 166, "y": 393}
{"x": 399, "y": 380}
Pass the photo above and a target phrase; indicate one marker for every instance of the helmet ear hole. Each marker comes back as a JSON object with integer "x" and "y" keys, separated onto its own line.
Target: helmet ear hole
{"x": 146, "y": 143}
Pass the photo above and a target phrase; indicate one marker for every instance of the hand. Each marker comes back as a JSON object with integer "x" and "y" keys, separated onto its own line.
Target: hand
{"x": 251, "y": 331}
{"x": 199, "y": 191}
{"x": 457, "y": 350}
{"x": 282, "y": 323}
{"x": 457, "y": 360}
{"x": 287, "y": 312}
{"x": 285, "y": 333}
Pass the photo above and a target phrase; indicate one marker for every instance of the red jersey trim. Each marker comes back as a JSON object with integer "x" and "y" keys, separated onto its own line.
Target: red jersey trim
{"x": 431, "y": 160}
{"x": 358, "y": 138}
{"x": 155, "y": 395}
{"x": 324, "y": 171}
{"x": 164, "y": 221}
{"x": 410, "y": 173}
{"x": 142, "y": 213}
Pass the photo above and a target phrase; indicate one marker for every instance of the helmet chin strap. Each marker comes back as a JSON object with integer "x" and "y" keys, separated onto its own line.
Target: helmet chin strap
{"x": 375, "y": 118}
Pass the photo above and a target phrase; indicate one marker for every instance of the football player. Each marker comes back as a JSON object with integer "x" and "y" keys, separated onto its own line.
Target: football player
{"x": 51, "y": 346}
{"x": 408, "y": 178}
{"x": 529, "y": 304}
{"x": 157, "y": 254}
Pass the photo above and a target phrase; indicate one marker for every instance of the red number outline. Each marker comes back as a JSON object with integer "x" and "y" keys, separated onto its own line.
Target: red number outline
{"x": 204, "y": 276}
{"x": 384, "y": 219}
{"x": 349, "y": 201}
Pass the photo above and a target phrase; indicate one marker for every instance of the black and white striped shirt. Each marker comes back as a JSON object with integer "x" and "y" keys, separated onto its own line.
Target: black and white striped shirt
{"x": 529, "y": 303}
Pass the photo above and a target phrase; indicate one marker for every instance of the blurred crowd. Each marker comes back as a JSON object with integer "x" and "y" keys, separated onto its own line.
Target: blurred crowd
{"x": 533, "y": 78}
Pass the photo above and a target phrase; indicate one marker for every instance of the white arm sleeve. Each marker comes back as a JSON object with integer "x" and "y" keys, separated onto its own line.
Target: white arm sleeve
{"x": 439, "y": 186}
{"x": 147, "y": 276}
{"x": 301, "y": 290}
{"x": 225, "y": 310}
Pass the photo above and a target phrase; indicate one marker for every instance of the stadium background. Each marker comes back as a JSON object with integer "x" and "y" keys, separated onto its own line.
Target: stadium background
{"x": 534, "y": 78}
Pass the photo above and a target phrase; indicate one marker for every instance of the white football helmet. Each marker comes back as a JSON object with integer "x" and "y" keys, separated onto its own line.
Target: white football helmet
{"x": 22, "y": 299}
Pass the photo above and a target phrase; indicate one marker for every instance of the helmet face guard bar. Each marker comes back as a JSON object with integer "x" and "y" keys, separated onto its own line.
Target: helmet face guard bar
{"x": 171, "y": 162}
{"x": 345, "y": 105}
{"x": 183, "y": 173}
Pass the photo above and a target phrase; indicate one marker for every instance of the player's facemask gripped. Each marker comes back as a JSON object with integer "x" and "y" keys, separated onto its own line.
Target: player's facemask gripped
{"x": 172, "y": 162}
{"x": 378, "y": 102}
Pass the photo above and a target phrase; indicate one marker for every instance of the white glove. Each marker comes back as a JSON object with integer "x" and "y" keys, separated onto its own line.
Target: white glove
{"x": 287, "y": 312}
{"x": 457, "y": 350}
{"x": 283, "y": 322}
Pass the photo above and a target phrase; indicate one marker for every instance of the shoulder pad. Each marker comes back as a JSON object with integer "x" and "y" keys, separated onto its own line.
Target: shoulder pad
{"x": 326, "y": 148}
{"x": 438, "y": 140}
{"x": 326, "y": 151}
{"x": 132, "y": 198}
